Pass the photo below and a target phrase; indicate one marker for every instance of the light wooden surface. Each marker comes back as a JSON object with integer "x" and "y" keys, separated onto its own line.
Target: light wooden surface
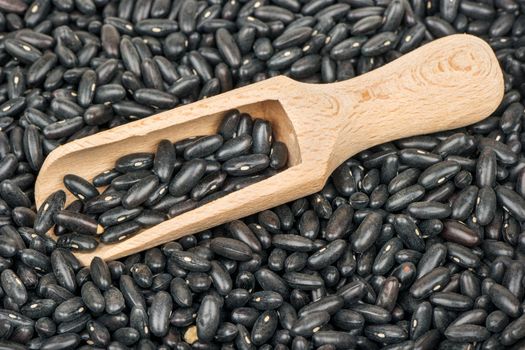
{"x": 448, "y": 83}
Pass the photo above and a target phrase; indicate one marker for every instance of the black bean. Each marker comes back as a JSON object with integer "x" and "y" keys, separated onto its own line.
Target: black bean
{"x": 429, "y": 210}
{"x": 139, "y": 192}
{"x": 119, "y": 232}
{"x": 159, "y": 313}
{"x": 63, "y": 128}
{"x": 36, "y": 72}
{"x": 164, "y": 162}
{"x": 368, "y": 231}
{"x": 208, "y": 318}
{"x": 151, "y": 75}
{"x": 306, "y": 66}
{"x": 409, "y": 233}
{"x": 200, "y": 65}
{"x": 308, "y": 324}
{"x": 451, "y": 301}
{"x": 265, "y": 300}
{"x": 155, "y": 98}
{"x": 133, "y": 162}
{"x": 22, "y": 50}
{"x": 61, "y": 341}
{"x": 367, "y": 25}
{"x": 336, "y": 227}
{"x": 503, "y": 153}
{"x": 496, "y": 321}
{"x": 203, "y": 147}
{"x": 462, "y": 255}
{"x": 79, "y": 187}
{"x": 463, "y": 179}
{"x": 117, "y": 215}
{"x": 77, "y": 222}
{"x": 439, "y": 27}
{"x": 187, "y": 177}
{"x": 231, "y": 249}
{"x": 421, "y": 320}
{"x": 472, "y": 9}
{"x": 385, "y": 333}
{"x": 63, "y": 271}
{"x": 98, "y": 115}
{"x": 284, "y": 58}
{"x": 52, "y": 204}
{"x": 504, "y": 300}
{"x": 467, "y": 333}
{"x": 262, "y": 136}
{"x": 384, "y": 261}
{"x": 337, "y": 339}
{"x": 130, "y": 55}
{"x": 13, "y": 195}
{"x": 246, "y": 165}
{"x": 302, "y": 281}
{"x": 403, "y": 180}
{"x": 438, "y": 173}
{"x": 103, "y": 202}
{"x": 402, "y": 198}
{"x": 220, "y": 277}
{"x": 449, "y": 10}
{"x": 228, "y": 48}
{"x": 166, "y": 69}
{"x": 486, "y": 168}
{"x": 240, "y": 231}
{"x": 92, "y": 297}
{"x": 109, "y": 93}
{"x": 347, "y": 319}
{"x": 156, "y": 27}
{"x": 379, "y": 44}
{"x": 441, "y": 193}
{"x": 433, "y": 281}
{"x": 157, "y": 195}
{"x": 236, "y": 146}
{"x": 181, "y": 207}
{"x": 114, "y": 301}
{"x": 455, "y": 231}
{"x": 327, "y": 255}
{"x": 13, "y": 287}
{"x": 511, "y": 201}
{"x": 77, "y": 242}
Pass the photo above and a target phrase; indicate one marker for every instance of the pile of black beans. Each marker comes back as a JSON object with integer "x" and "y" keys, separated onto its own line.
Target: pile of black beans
{"x": 144, "y": 189}
{"x": 414, "y": 244}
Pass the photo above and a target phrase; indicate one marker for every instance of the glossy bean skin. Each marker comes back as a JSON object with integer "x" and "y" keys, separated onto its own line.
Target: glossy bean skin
{"x": 456, "y": 232}
{"x": 504, "y": 300}
{"x": 77, "y": 222}
{"x": 187, "y": 177}
{"x": 54, "y": 203}
{"x": 80, "y": 187}
{"x": 367, "y": 232}
{"x": 432, "y": 281}
{"x": 139, "y": 192}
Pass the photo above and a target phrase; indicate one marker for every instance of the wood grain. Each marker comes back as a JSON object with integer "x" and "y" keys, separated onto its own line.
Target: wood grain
{"x": 448, "y": 83}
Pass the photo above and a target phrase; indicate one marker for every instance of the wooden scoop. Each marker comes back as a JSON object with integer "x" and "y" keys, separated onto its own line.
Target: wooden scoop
{"x": 446, "y": 84}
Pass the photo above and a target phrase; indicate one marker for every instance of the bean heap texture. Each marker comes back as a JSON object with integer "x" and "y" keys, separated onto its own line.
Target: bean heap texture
{"x": 414, "y": 244}
{"x": 144, "y": 189}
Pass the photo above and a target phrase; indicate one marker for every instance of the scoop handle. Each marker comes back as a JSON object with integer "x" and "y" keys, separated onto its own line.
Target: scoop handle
{"x": 446, "y": 84}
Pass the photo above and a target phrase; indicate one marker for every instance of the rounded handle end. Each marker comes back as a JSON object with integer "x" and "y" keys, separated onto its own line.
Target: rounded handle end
{"x": 446, "y": 84}
{"x": 463, "y": 69}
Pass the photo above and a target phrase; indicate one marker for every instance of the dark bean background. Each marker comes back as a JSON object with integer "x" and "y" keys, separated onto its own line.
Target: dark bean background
{"x": 414, "y": 244}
